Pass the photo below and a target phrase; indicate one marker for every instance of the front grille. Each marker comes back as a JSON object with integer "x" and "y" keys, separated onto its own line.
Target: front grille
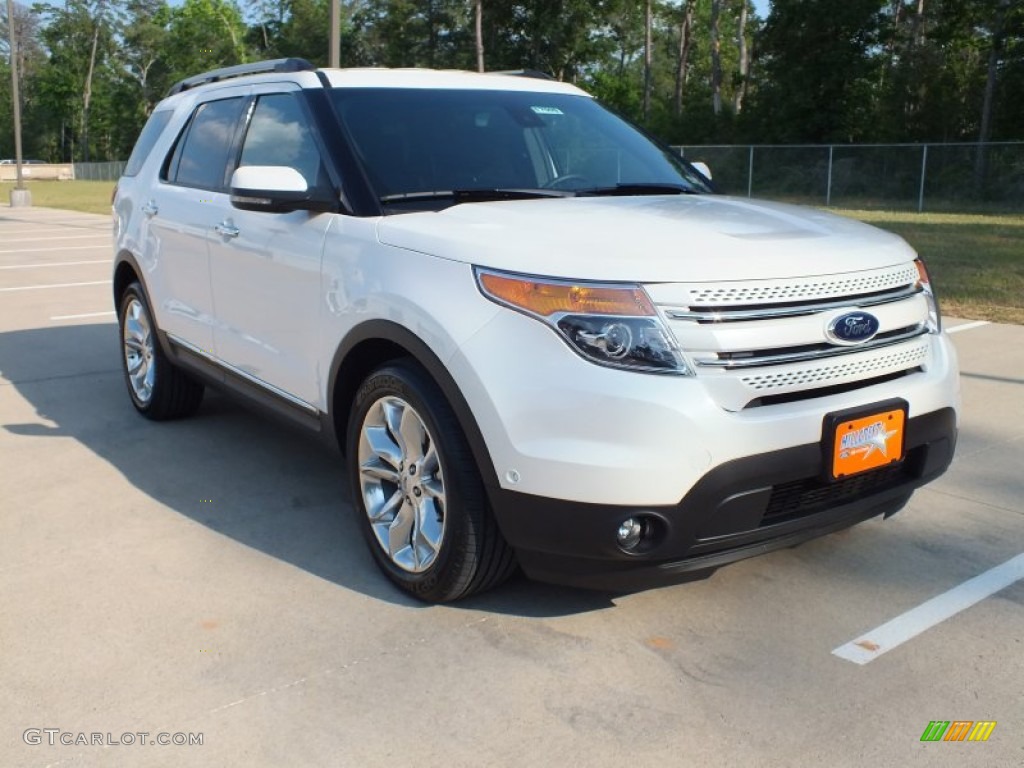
{"x": 808, "y": 352}
{"x": 749, "y": 341}
{"x": 772, "y": 291}
{"x": 818, "y": 375}
{"x": 827, "y": 391}
{"x": 804, "y": 352}
{"x": 810, "y": 495}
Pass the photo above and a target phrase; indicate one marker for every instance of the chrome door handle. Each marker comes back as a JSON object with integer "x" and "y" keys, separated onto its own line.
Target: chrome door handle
{"x": 150, "y": 209}
{"x": 227, "y": 229}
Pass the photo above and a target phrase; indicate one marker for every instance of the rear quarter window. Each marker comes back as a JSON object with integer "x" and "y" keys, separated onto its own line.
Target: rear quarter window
{"x": 147, "y": 139}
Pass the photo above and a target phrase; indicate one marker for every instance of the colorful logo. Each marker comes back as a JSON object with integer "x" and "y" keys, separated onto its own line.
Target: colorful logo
{"x": 867, "y": 440}
{"x": 958, "y": 730}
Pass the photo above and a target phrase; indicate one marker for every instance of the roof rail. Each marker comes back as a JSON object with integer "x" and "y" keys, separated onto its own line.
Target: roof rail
{"x": 534, "y": 73}
{"x": 240, "y": 70}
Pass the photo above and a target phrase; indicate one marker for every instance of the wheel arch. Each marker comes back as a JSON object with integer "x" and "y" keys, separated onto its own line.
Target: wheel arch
{"x": 126, "y": 272}
{"x": 374, "y": 343}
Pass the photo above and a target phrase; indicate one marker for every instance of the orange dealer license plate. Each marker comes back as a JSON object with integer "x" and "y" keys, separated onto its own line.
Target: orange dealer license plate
{"x": 863, "y": 439}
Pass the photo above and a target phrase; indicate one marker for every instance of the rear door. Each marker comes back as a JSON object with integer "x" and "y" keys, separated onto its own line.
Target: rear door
{"x": 179, "y": 215}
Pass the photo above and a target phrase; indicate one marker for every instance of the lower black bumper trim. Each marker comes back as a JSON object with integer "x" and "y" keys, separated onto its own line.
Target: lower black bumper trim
{"x": 724, "y": 518}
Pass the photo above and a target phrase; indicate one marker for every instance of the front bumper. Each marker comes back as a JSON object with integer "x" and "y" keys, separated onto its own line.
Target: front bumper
{"x": 739, "y": 509}
{"x": 557, "y": 426}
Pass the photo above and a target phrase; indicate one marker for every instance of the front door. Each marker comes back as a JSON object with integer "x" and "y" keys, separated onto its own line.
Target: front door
{"x": 265, "y": 267}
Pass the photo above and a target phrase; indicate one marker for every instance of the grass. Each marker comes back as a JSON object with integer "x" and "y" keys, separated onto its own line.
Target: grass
{"x": 85, "y": 196}
{"x": 976, "y": 260}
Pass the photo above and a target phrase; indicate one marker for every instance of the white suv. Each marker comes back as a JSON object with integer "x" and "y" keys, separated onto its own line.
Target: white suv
{"x": 536, "y": 336}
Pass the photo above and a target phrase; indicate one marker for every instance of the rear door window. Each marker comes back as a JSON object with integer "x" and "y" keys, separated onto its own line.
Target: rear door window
{"x": 201, "y": 156}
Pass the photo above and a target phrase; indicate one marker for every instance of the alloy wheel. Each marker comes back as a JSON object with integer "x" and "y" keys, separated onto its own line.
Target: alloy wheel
{"x": 402, "y": 484}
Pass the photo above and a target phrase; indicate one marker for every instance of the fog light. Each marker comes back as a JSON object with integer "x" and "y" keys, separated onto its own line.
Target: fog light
{"x": 630, "y": 533}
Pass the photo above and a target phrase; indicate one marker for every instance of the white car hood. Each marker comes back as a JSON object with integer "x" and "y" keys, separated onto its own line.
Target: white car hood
{"x": 648, "y": 239}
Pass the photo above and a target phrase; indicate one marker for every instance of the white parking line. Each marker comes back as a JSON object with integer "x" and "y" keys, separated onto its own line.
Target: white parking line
{"x": 57, "y": 264}
{"x": 59, "y": 229}
{"x": 104, "y": 246}
{"x": 968, "y": 326}
{"x": 54, "y": 237}
{"x": 86, "y": 314}
{"x": 54, "y": 285}
{"x": 870, "y": 646}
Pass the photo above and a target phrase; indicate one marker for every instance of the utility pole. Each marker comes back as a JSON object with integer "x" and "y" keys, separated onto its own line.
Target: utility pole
{"x": 20, "y": 197}
{"x": 334, "y": 56}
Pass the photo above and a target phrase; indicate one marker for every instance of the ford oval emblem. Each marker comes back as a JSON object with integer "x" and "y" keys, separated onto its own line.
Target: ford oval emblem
{"x": 852, "y": 328}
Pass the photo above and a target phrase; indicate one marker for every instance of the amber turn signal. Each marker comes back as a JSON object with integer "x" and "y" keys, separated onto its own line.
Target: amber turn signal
{"x": 547, "y": 298}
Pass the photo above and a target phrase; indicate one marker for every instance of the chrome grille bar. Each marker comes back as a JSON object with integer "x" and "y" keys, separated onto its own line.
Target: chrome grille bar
{"x": 770, "y": 313}
{"x": 815, "y": 354}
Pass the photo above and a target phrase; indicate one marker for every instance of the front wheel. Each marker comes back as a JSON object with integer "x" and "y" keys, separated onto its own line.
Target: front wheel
{"x": 417, "y": 492}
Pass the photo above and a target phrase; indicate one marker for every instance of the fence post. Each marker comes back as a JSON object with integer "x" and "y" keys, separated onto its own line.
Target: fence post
{"x": 750, "y": 173}
{"x": 924, "y": 168}
{"x": 828, "y": 189}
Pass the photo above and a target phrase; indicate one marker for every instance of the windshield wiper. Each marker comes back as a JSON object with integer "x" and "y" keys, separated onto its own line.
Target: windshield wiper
{"x": 626, "y": 190}
{"x": 474, "y": 195}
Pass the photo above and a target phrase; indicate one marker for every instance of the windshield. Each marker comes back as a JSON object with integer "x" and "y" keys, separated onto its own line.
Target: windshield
{"x": 414, "y": 142}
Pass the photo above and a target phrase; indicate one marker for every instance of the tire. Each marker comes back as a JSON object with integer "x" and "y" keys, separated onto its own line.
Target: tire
{"x": 417, "y": 492}
{"x": 159, "y": 390}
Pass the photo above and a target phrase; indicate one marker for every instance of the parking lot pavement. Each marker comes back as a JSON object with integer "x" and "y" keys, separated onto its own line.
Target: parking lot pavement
{"x": 205, "y": 577}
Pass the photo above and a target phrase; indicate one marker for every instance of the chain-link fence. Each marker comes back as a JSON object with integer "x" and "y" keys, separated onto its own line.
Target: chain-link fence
{"x": 100, "y": 171}
{"x": 922, "y": 177}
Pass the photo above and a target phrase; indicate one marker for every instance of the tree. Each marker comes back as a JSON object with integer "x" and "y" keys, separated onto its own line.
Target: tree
{"x": 479, "y": 34}
{"x": 683, "y": 60}
{"x": 204, "y": 35}
{"x": 692, "y": 71}
{"x": 559, "y": 37}
{"x": 716, "y": 57}
{"x": 997, "y": 30}
{"x": 744, "y": 59}
{"x": 80, "y": 36}
{"x": 818, "y": 68}
{"x": 938, "y": 56}
{"x": 144, "y": 38}
{"x": 30, "y": 58}
{"x": 26, "y": 31}
{"x": 648, "y": 23}
{"x": 303, "y": 32}
{"x": 424, "y": 33}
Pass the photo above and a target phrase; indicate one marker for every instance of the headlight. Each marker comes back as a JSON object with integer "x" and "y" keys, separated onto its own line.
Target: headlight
{"x": 610, "y": 324}
{"x": 925, "y": 284}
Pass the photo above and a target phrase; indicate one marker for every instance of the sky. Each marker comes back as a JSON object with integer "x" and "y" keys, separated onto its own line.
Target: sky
{"x": 762, "y": 8}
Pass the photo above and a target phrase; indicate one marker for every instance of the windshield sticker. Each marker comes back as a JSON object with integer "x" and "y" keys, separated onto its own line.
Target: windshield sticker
{"x": 547, "y": 111}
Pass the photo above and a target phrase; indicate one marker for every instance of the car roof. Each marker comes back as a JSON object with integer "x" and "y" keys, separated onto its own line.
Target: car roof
{"x": 305, "y": 75}
{"x": 377, "y": 77}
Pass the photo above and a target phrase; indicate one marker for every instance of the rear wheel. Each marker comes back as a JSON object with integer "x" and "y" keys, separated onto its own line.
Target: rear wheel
{"x": 417, "y": 491}
{"x": 158, "y": 389}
